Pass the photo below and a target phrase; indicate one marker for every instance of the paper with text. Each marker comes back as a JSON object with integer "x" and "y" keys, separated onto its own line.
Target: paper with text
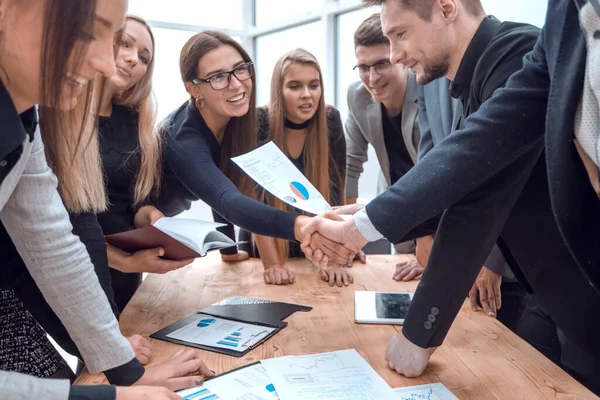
{"x": 272, "y": 170}
{"x": 342, "y": 375}
{"x": 433, "y": 391}
{"x": 217, "y": 332}
{"x": 250, "y": 383}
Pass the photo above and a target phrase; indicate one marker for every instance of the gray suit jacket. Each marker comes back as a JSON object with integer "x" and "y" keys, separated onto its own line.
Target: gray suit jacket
{"x": 364, "y": 126}
{"x": 439, "y": 116}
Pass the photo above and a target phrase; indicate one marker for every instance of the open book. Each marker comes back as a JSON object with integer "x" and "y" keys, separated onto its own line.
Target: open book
{"x": 180, "y": 238}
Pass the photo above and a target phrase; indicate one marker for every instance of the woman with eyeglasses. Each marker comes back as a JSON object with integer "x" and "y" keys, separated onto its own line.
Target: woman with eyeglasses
{"x": 311, "y": 135}
{"x": 51, "y": 63}
{"x": 217, "y": 123}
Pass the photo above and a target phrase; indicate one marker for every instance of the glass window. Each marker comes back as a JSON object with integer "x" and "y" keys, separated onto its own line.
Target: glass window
{"x": 168, "y": 88}
{"x": 269, "y": 48}
{"x": 271, "y": 11}
{"x": 530, "y": 11}
{"x": 220, "y": 14}
{"x": 346, "y": 59}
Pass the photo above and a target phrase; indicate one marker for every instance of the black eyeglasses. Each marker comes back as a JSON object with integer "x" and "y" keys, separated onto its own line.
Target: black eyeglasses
{"x": 379, "y": 67}
{"x": 222, "y": 80}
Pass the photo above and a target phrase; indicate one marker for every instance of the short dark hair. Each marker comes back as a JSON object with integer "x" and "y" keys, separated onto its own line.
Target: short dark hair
{"x": 423, "y": 7}
{"x": 369, "y": 32}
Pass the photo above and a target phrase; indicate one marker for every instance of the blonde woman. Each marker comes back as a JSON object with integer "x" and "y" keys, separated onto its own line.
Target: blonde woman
{"x": 311, "y": 135}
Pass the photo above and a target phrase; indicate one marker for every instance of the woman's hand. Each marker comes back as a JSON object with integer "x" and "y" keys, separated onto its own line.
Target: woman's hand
{"x": 336, "y": 276}
{"x": 278, "y": 275}
{"x": 142, "y": 348}
{"x": 150, "y": 261}
{"x": 360, "y": 256}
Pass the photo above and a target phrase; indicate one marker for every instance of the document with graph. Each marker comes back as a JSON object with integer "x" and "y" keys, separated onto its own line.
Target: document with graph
{"x": 336, "y": 375}
{"x": 433, "y": 391}
{"x": 211, "y": 331}
{"x": 272, "y": 170}
{"x": 250, "y": 382}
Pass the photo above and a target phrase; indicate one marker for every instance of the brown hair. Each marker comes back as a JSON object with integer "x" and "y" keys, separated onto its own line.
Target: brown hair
{"x": 141, "y": 98}
{"x": 369, "y": 32}
{"x": 240, "y": 132}
{"x": 316, "y": 149}
{"x": 423, "y": 7}
{"x": 69, "y": 136}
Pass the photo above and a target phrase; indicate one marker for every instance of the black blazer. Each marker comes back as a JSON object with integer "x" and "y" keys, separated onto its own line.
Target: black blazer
{"x": 551, "y": 236}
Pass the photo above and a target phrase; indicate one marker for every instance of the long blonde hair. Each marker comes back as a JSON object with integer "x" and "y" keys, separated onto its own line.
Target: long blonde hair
{"x": 316, "y": 148}
{"x": 141, "y": 98}
{"x": 76, "y": 161}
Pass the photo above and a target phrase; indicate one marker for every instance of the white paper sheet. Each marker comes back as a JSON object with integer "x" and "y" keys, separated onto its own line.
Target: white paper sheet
{"x": 217, "y": 332}
{"x": 434, "y": 391}
{"x": 327, "y": 376}
{"x": 272, "y": 170}
{"x": 251, "y": 383}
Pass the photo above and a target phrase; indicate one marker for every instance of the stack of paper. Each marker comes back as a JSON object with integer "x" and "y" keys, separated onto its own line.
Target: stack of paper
{"x": 342, "y": 375}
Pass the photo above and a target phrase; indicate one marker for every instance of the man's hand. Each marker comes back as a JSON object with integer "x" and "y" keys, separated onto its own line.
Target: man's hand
{"x": 336, "y": 276}
{"x": 278, "y": 275}
{"x": 348, "y": 209}
{"x": 488, "y": 284}
{"x": 150, "y": 261}
{"x": 337, "y": 230}
{"x": 328, "y": 249}
{"x": 241, "y": 255}
{"x": 142, "y": 348}
{"x": 145, "y": 393}
{"x": 408, "y": 270}
{"x": 183, "y": 370}
{"x": 405, "y": 357}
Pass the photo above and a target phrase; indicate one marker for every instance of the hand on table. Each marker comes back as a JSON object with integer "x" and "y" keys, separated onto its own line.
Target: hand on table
{"x": 408, "y": 270}
{"x": 360, "y": 256}
{"x": 488, "y": 284}
{"x": 278, "y": 275}
{"x": 142, "y": 348}
{"x": 183, "y": 370}
{"x": 150, "y": 261}
{"x": 407, "y": 358}
{"x": 241, "y": 255}
{"x": 336, "y": 276}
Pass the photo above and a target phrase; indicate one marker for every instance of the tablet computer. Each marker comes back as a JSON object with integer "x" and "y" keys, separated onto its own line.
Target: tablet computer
{"x": 381, "y": 307}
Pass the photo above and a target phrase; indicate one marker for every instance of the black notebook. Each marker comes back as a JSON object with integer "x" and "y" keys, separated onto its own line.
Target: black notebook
{"x": 233, "y": 326}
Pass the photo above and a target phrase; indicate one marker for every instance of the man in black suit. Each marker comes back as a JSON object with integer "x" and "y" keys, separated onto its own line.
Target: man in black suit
{"x": 492, "y": 181}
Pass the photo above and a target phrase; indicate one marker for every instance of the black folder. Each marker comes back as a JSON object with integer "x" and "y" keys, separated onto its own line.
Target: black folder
{"x": 248, "y": 310}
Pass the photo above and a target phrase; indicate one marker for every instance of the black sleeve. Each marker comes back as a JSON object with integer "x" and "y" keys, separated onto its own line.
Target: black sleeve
{"x": 228, "y": 230}
{"x": 190, "y": 159}
{"x": 504, "y": 128}
{"x": 476, "y": 170}
{"x": 93, "y": 392}
{"x": 337, "y": 156}
{"x": 126, "y": 374}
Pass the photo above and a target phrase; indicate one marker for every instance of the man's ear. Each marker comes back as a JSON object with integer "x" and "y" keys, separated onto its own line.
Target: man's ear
{"x": 449, "y": 9}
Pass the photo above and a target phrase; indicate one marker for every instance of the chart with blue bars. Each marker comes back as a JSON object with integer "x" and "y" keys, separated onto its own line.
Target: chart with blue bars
{"x": 202, "y": 394}
{"x": 233, "y": 339}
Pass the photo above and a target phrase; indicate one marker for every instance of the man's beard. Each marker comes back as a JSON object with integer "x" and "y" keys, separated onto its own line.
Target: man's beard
{"x": 433, "y": 71}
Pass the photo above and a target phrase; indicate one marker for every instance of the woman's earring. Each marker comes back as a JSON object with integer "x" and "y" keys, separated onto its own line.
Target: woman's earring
{"x": 201, "y": 105}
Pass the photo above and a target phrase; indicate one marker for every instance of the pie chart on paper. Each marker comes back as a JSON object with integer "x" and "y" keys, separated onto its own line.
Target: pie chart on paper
{"x": 299, "y": 190}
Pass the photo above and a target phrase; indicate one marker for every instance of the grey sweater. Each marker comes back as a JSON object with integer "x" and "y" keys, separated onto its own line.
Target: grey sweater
{"x": 34, "y": 216}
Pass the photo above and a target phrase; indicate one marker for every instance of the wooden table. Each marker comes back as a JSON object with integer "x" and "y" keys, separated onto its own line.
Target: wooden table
{"x": 480, "y": 359}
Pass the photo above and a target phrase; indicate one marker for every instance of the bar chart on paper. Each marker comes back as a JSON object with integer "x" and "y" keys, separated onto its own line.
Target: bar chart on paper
{"x": 434, "y": 391}
{"x": 201, "y": 394}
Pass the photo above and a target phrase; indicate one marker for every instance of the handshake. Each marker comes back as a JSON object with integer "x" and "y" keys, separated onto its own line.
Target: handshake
{"x": 330, "y": 239}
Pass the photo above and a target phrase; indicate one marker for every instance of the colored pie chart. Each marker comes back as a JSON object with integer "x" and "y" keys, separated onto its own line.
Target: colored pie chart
{"x": 299, "y": 190}
{"x": 206, "y": 322}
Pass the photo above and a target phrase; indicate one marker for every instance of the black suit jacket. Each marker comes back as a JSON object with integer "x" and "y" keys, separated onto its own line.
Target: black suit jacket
{"x": 547, "y": 213}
